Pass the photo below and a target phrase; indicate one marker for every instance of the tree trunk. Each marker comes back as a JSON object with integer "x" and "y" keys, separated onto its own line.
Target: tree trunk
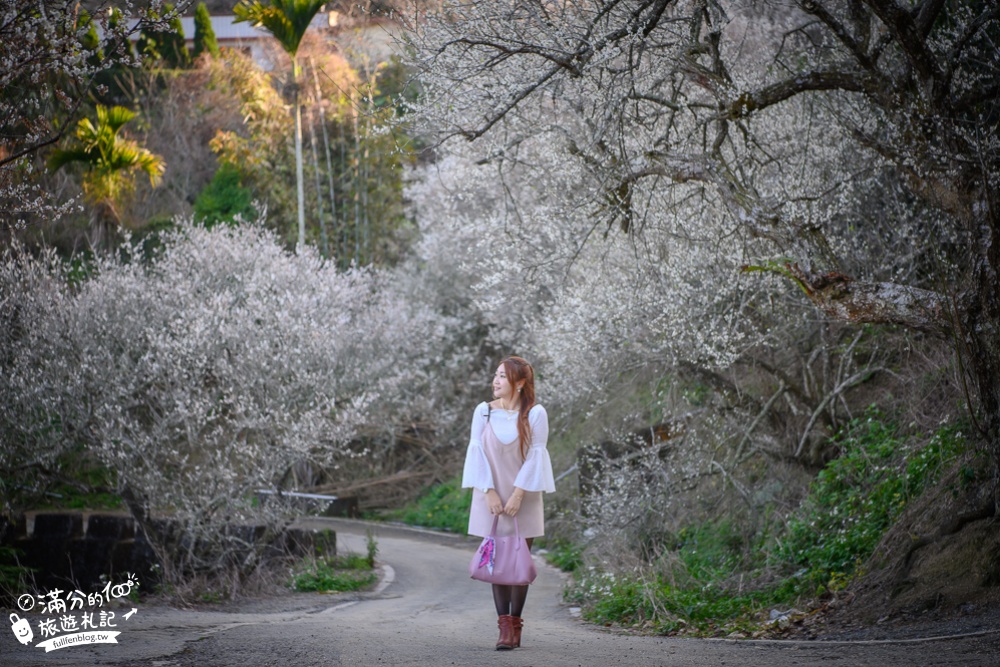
{"x": 324, "y": 242}
{"x": 300, "y": 190}
{"x": 978, "y": 342}
{"x": 329, "y": 162}
{"x": 357, "y": 183}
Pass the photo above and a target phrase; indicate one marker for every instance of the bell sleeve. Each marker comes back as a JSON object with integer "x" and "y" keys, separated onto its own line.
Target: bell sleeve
{"x": 477, "y": 473}
{"x": 536, "y": 472}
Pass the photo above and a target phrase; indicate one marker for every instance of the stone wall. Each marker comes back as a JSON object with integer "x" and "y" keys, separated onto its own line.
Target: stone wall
{"x": 82, "y": 550}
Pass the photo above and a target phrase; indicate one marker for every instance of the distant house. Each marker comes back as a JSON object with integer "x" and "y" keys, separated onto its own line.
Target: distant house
{"x": 244, "y": 36}
{"x": 256, "y": 41}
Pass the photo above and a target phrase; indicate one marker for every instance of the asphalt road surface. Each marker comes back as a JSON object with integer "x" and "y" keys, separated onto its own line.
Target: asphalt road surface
{"x": 427, "y": 611}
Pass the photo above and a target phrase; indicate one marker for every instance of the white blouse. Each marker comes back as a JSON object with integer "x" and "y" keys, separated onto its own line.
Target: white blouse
{"x": 536, "y": 471}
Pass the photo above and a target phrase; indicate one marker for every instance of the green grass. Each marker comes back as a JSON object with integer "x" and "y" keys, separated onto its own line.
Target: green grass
{"x": 443, "y": 507}
{"x": 652, "y": 602}
{"x": 566, "y": 556}
{"x": 88, "y": 483}
{"x": 350, "y": 572}
{"x": 857, "y": 496}
{"x": 709, "y": 580}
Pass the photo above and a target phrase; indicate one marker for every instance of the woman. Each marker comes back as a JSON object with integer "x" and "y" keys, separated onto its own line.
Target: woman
{"x": 508, "y": 467}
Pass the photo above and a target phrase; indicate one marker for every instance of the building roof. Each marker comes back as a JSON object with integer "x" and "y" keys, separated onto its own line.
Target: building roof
{"x": 226, "y": 29}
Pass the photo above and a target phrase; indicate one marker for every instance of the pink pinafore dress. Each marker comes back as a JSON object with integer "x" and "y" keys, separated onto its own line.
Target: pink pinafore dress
{"x": 505, "y": 463}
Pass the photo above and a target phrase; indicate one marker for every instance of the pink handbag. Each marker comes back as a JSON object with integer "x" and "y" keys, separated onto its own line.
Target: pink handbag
{"x": 503, "y": 560}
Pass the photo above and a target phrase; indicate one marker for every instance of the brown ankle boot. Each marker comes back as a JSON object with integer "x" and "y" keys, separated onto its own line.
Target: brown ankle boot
{"x": 506, "y": 641}
{"x": 517, "y": 625}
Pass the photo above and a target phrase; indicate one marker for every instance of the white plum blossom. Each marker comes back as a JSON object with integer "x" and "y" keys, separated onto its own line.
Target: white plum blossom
{"x": 205, "y": 374}
{"x": 644, "y": 189}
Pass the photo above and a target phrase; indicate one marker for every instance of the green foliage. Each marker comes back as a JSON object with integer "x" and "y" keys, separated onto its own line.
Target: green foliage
{"x": 395, "y": 87}
{"x": 204, "y": 35}
{"x": 174, "y": 47}
{"x": 71, "y": 497}
{"x": 566, "y": 556}
{"x": 72, "y": 479}
{"x": 165, "y": 48}
{"x": 709, "y": 551}
{"x": 113, "y": 84}
{"x": 111, "y": 160}
{"x": 224, "y": 199}
{"x": 859, "y": 494}
{"x": 287, "y": 20}
{"x": 696, "y": 394}
{"x": 90, "y": 40}
{"x": 350, "y": 572}
{"x": 444, "y": 507}
{"x": 357, "y": 165}
{"x": 212, "y": 597}
{"x": 87, "y": 484}
{"x": 690, "y": 586}
{"x": 656, "y": 603}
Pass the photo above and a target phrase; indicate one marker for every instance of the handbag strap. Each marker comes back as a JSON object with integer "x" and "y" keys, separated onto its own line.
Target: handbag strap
{"x": 517, "y": 531}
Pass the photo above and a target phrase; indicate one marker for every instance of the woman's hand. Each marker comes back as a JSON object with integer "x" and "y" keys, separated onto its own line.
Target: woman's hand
{"x": 514, "y": 502}
{"x": 493, "y": 502}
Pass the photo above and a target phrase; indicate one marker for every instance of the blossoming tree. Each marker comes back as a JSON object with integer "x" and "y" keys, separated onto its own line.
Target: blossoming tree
{"x": 849, "y": 147}
{"x": 202, "y": 377}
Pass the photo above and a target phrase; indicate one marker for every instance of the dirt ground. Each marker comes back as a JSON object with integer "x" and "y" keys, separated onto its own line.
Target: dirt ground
{"x": 426, "y": 612}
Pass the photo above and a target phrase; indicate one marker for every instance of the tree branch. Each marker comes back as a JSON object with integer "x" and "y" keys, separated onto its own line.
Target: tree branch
{"x": 909, "y": 36}
{"x": 778, "y": 92}
{"x": 927, "y": 14}
{"x": 848, "y": 300}
{"x": 955, "y": 57}
{"x": 515, "y": 100}
{"x": 840, "y": 32}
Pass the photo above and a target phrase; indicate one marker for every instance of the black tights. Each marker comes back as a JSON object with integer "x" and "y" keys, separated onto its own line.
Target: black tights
{"x": 510, "y": 599}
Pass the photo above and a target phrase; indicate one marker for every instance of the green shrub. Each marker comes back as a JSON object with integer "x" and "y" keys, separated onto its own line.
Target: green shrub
{"x": 656, "y": 604}
{"x": 857, "y": 496}
{"x": 566, "y": 556}
{"x": 443, "y": 506}
{"x": 224, "y": 198}
{"x": 710, "y": 550}
{"x": 709, "y": 579}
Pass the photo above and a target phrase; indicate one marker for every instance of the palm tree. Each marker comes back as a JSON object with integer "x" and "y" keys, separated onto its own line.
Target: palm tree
{"x": 111, "y": 161}
{"x": 287, "y": 21}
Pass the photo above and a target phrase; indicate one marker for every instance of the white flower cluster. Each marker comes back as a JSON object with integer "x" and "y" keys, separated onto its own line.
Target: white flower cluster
{"x": 607, "y": 169}
{"x": 207, "y": 373}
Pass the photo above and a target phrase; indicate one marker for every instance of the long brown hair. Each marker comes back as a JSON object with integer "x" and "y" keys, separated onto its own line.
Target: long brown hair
{"x": 519, "y": 370}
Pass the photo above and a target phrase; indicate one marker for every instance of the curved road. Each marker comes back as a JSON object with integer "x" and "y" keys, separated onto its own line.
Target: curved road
{"x": 427, "y": 612}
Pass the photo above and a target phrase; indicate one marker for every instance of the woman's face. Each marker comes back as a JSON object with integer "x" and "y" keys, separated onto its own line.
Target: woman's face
{"x": 502, "y": 388}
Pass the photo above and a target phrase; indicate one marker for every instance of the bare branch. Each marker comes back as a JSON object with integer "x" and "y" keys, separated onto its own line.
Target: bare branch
{"x": 840, "y": 31}
{"x": 909, "y": 37}
{"x": 778, "y": 92}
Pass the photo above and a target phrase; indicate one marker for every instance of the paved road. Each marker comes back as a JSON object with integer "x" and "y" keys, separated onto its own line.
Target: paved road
{"x": 427, "y": 613}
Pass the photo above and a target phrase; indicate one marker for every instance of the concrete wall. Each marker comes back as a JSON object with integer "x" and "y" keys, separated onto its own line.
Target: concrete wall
{"x": 74, "y": 550}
